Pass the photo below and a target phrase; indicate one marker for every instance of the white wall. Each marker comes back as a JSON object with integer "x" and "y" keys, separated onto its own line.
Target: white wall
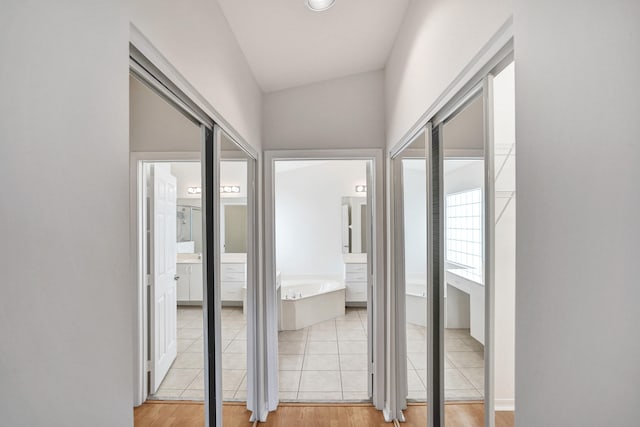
{"x": 156, "y": 125}
{"x": 234, "y": 173}
{"x": 465, "y": 131}
{"x": 66, "y": 299}
{"x": 188, "y": 174}
{"x": 196, "y": 38}
{"x": 459, "y": 178}
{"x": 415, "y": 216}
{"x": 437, "y": 40}
{"x": 341, "y": 113}
{"x": 577, "y": 130}
{"x": 308, "y": 207}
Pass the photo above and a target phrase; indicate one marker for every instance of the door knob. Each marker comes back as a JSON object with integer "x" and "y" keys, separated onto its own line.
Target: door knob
{"x": 176, "y": 277}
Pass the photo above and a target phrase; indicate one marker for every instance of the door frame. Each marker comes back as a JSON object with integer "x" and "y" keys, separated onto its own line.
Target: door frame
{"x": 378, "y": 335}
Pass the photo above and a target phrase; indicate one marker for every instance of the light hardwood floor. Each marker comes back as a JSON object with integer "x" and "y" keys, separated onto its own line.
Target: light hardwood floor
{"x": 187, "y": 414}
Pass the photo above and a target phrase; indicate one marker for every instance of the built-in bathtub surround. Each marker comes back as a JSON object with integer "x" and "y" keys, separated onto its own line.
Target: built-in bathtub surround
{"x": 416, "y": 294}
{"x": 306, "y": 301}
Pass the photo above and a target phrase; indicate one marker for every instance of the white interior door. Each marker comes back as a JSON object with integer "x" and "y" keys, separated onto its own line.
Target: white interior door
{"x": 163, "y": 310}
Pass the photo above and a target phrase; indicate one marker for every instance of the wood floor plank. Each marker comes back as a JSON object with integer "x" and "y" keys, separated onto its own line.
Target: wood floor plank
{"x": 191, "y": 414}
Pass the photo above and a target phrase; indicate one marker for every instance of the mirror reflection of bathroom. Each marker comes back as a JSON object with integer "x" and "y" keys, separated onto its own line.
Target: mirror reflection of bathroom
{"x": 354, "y": 224}
{"x": 414, "y": 190}
{"x": 233, "y": 268}
{"x": 171, "y": 239}
{"x": 321, "y": 267}
{"x": 185, "y": 377}
{"x": 464, "y": 293}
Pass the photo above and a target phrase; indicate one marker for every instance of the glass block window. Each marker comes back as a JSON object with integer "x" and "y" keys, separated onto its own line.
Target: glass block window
{"x": 464, "y": 228}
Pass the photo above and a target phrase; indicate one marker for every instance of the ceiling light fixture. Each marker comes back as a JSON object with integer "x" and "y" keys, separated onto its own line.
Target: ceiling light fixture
{"x": 194, "y": 190}
{"x": 361, "y": 188}
{"x": 319, "y": 5}
{"x": 230, "y": 189}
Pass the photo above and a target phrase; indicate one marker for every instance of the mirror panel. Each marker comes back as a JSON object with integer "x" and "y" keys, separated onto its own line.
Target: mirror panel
{"x": 354, "y": 225}
{"x": 463, "y": 282}
{"x": 233, "y": 267}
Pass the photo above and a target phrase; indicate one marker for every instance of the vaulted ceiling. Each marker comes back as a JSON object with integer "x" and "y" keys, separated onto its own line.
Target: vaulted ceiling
{"x": 288, "y": 45}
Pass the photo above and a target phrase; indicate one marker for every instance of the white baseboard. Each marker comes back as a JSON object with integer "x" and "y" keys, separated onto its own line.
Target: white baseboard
{"x": 505, "y": 405}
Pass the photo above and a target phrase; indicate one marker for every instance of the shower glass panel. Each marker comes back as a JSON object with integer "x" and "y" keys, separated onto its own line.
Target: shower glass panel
{"x": 462, "y": 138}
{"x": 189, "y": 225}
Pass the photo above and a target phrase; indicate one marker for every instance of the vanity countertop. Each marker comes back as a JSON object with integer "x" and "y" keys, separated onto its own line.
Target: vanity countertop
{"x": 189, "y": 259}
{"x": 354, "y": 258}
{"x": 224, "y": 258}
{"x": 233, "y": 258}
{"x": 469, "y": 274}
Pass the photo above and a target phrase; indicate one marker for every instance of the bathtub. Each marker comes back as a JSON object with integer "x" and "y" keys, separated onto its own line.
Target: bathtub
{"x": 416, "y": 291}
{"x": 307, "y": 301}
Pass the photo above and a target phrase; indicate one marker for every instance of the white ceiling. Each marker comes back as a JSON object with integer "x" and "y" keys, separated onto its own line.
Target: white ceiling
{"x": 288, "y": 45}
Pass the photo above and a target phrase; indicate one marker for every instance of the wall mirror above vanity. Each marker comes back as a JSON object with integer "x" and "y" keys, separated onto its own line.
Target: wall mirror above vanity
{"x": 354, "y": 225}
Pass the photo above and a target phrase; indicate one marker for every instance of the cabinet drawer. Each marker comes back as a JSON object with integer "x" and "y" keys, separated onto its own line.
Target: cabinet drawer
{"x": 232, "y": 276}
{"x": 356, "y": 292}
{"x": 232, "y": 268}
{"x": 356, "y": 276}
{"x": 231, "y": 291}
{"x": 355, "y": 268}
{"x": 355, "y": 272}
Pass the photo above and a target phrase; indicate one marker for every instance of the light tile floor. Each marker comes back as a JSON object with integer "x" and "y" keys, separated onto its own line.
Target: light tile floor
{"x": 185, "y": 379}
{"x": 324, "y": 362}
{"x": 464, "y": 364}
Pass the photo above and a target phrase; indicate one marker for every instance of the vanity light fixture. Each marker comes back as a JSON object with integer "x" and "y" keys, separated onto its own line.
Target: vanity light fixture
{"x": 230, "y": 189}
{"x": 319, "y": 5}
{"x": 361, "y": 188}
{"x": 194, "y": 190}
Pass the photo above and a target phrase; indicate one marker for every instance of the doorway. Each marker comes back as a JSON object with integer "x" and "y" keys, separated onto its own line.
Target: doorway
{"x": 325, "y": 302}
{"x": 321, "y": 267}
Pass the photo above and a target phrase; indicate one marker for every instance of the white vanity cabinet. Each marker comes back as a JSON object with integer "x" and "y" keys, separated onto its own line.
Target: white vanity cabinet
{"x": 355, "y": 280}
{"x": 470, "y": 285}
{"x": 233, "y": 277}
{"x": 189, "y": 282}
{"x": 182, "y": 282}
{"x": 476, "y": 311}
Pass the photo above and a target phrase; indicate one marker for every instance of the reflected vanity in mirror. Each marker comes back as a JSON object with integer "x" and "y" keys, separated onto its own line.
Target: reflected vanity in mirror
{"x": 189, "y": 226}
{"x": 354, "y": 223}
